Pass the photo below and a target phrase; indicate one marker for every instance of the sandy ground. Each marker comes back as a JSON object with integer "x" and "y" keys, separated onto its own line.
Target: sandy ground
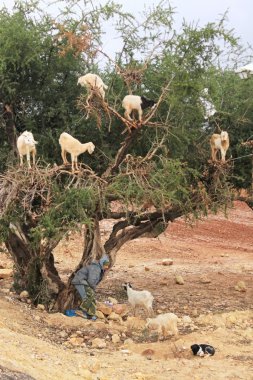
{"x": 211, "y": 256}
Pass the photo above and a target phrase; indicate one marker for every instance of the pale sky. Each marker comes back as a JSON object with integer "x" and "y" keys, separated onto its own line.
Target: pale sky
{"x": 240, "y": 12}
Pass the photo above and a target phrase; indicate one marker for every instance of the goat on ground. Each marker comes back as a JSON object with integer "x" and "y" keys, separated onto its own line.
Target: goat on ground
{"x": 93, "y": 83}
{"x": 71, "y": 145}
{"x": 164, "y": 324}
{"x": 137, "y": 103}
{"x": 219, "y": 142}
{"x": 139, "y": 298}
{"x": 26, "y": 145}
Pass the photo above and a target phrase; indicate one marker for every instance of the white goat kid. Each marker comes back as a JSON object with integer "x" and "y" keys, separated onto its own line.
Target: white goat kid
{"x": 139, "y": 298}
{"x": 93, "y": 83}
{"x": 219, "y": 142}
{"x": 71, "y": 145}
{"x": 137, "y": 103}
{"x": 164, "y": 324}
{"x": 26, "y": 145}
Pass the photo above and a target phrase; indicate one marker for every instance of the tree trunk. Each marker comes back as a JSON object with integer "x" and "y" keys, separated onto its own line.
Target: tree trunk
{"x": 93, "y": 250}
{"x": 34, "y": 271}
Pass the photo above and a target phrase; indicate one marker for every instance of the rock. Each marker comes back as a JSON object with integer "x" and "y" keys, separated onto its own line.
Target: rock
{"x": 240, "y": 286}
{"x": 5, "y": 273}
{"x": 167, "y": 262}
{"x": 98, "y": 343}
{"x": 179, "y": 280}
{"x": 76, "y": 341}
{"x": 147, "y": 269}
{"x": 204, "y": 279}
{"x": 24, "y": 294}
{"x": 114, "y": 317}
{"x": 121, "y": 309}
{"x": 115, "y": 338}
{"x": 37, "y": 318}
{"x": 99, "y": 314}
{"x": 40, "y": 307}
{"x": 63, "y": 334}
{"x": 148, "y": 353}
{"x": 105, "y": 309}
{"x": 112, "y": 300}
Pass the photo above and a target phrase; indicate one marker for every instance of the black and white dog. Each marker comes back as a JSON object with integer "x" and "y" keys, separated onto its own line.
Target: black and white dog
{"x": 202, "y": 349}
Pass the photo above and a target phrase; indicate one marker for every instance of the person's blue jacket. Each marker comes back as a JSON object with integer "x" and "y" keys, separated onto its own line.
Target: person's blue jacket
{"x": 91, "y": 274}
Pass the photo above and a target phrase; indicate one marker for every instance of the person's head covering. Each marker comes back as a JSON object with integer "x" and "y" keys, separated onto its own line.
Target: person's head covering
{"x": 104, "y": 261}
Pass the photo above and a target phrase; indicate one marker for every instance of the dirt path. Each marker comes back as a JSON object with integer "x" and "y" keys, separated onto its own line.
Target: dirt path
{"x": 211, "y": 257}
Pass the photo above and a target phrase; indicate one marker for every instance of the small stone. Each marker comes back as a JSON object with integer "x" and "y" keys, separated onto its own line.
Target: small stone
{"x": 98, "y": 343}
{"x": 112, "y": 300}
{"x": 121, "y": 309}
{"x": 63, "y": 334}
{"x": 76, "y": 341}
{"x": 115, "y": 338}
{"x": 5, "y": 273}
{"x": 179, "y": 280}
{"x": 40, "y": 307}
{"x": 105, "y": 309}
{"x": 204, "y": 279}
{"x": 240, "y": 286}
{"x": 99, "y": 314}
{"x": 167, "y": 262}
{"x": 148, "y": 352}
{"x": 147, "y": 269}
{"x": 24, "y": 294}
{"x": 114, "y": 317}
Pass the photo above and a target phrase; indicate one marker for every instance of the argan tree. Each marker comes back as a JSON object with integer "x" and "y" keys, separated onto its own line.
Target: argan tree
{"x": 155, "y": 170}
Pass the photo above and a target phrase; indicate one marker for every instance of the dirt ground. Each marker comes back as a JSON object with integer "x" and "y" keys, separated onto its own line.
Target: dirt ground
{"x": 211, "y": 256}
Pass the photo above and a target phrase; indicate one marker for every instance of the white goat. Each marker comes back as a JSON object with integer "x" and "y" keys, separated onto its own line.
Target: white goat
{"x": 136, "y": 102}
{"x": 164, "y": 324}
{"x": 139, "y": 298}
{"x": 219, "y": 142}
{"x": 26, "y": 145}
{"x": 71, "y": 145}
{"x": 93, "y": 83}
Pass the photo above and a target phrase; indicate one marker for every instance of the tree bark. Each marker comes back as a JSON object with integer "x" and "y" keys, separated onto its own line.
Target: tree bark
{"x": 93, "y": 250}
{"x": 33, "y": 268}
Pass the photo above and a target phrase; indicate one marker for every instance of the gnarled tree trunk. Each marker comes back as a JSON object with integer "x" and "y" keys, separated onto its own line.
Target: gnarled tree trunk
{"x": 93, "y": 250}
{"x": 33, "y": 269}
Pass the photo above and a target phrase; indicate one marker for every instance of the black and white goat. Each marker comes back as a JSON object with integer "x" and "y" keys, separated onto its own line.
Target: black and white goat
{"x": 136, "y": 103}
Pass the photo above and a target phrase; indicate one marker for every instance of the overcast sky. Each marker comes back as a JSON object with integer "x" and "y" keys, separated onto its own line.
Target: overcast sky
{"x": 240, "y": 12}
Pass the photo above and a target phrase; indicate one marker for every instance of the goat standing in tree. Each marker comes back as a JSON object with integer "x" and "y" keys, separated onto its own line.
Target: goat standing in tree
{"x": 219, "y": 142}
{"x": 71, "y": 145}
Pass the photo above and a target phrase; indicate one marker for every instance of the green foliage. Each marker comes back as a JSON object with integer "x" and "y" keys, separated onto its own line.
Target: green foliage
{"x": 68, "y": 209}
{"x": 168, "y": 183}
{"x": 39, "y": 68}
